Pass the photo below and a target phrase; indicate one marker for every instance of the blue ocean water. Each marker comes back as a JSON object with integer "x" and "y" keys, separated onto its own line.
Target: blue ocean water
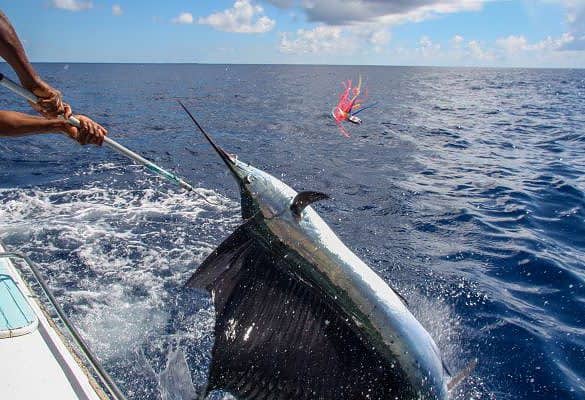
{"x": 463, "y": 188}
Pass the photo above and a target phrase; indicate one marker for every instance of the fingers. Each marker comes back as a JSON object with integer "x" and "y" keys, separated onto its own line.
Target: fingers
{"x": 90, "y": 132}
{"x": 102, "y": 134}
{"x": 49, "y": 108}
{"x": 84, "y": 132}
{"x": 50, "y": 103}
{"x": 52, "y": 106}
{"x": 67, "y": 112}
{"x": 72, "y": 132}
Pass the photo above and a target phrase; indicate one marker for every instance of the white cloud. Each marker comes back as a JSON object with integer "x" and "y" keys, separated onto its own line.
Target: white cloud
{"x": 516, "y": 44}
{"x": 427, "y": 48}
{"x": 564, "y": 42}
{"x": 457, "y": 41}
{"x": 575, "y": 10}
{"x": 117, "y": 10}
{"x": 72, "y": 5}
{"x": 379, "y": 40}
{"x": 576, "y": 18}
{"x": 380, "y": 37}
{"x": 477, "y": 52}
{"x": 510, "y": 51}
{"x": 425, "y": 42}
{"x": 282, "y": 3}
{"x": 243, "y": 17}
{"x": 367, "y": 22}
{"x": 183, "y": 18}
{"x": 512, "y": 44}
{"x": 337, "y": 43}
{"x": 348, "y": 12}
{"x": 322, "y": 39}
{"x": 335, "y": 39}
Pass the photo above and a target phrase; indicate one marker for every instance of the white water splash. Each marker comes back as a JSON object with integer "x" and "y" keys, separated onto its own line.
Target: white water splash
{"x": 175, "y": 380}
{"x": 113, "y": 255}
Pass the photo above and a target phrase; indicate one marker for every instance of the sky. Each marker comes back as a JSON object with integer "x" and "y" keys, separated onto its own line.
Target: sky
{"x": 501, "y": 33}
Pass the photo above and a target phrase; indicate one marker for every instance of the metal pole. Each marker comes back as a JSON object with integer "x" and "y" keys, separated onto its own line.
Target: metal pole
{"x": 16, "y": 88}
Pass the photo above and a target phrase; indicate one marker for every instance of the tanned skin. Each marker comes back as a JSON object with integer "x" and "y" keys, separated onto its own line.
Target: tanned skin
{"x": 14, "y": 124}
{"x": 50, "y": 104}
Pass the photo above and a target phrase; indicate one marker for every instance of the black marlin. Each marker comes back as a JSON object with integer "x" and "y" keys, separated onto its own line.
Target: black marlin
{"x": 299, "y": 315}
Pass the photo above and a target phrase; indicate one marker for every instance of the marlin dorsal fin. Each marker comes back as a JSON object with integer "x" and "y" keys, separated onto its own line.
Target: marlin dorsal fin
{"x": 303, "y": 199}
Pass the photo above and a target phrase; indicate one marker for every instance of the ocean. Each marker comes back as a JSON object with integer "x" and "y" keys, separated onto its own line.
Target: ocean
{"x": 463, "y": 188}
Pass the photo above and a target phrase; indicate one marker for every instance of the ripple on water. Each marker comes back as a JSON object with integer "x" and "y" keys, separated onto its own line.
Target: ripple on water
{"x": 463, "y": 188}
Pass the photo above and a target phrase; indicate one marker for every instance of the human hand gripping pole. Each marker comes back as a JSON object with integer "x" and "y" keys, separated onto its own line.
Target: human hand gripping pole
{"x": 16, "y": 88}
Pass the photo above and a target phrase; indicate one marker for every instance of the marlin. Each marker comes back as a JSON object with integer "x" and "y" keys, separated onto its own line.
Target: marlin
{"x": 299, "y": 315}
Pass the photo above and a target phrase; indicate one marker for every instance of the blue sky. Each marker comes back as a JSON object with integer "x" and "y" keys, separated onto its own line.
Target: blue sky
{"x": 524, "y": 33}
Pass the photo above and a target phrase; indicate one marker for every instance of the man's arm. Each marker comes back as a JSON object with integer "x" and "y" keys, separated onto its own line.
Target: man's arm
{"x": 13, "y": 124}
{"x": 11, "y": 50}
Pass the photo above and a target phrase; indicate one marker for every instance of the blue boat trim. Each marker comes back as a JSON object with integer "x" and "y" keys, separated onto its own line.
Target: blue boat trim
{"x": 16, "y": 315}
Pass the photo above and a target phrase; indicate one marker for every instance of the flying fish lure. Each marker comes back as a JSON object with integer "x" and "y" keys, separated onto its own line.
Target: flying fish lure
{"x": 349, "y": 104}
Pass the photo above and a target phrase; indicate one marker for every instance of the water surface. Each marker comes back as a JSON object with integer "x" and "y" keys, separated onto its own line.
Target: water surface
{"x": 463, "y": 189}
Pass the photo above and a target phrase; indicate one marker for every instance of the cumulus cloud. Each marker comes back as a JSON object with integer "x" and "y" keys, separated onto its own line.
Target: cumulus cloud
{"x": 576, "y": 20}
{"x": 117, "y": 10}
{"x": 513, "y": 50}
{"x": 72, "y": 5}
{"x": 380, "y": 38}
{"x": 346, "y": 26}
{"x": 515, "y": 44}
{"x": 243, "y": 17}
{"x": 427, "y": 48}
{"x": 565, "y": 42}
{"x": 512, "y": 44}
{"x": 322, "y": 39}
{"x": 572, "y": 40}
{"x": 368, "y": 22}
{"x": 282, "y": 3}
{"x": 347, "y": 12}
{"x": 334, "y": 39}
{"x": 476, "y": 51}
{"x": 183, "y": 18}
{"x": 457, "y": 40}
{"x": 425, "y": 42}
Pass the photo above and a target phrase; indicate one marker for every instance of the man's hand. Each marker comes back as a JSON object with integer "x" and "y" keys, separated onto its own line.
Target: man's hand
{"x": 89, "y": 132}
{"x": 50, "y": 103}
{"x": 14, "y": 124}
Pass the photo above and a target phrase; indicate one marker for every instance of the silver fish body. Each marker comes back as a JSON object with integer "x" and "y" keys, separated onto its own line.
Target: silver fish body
{"x": 377, "y": 311}
{"x": 313, "y": 253}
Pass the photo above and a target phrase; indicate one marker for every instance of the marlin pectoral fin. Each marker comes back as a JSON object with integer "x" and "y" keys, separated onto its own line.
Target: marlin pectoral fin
{"x": 303, "y": 199}
{"x": 218, "y": 273}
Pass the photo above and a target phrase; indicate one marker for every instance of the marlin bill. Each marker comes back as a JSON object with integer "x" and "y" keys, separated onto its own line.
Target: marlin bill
{"x": 300, "y": 316}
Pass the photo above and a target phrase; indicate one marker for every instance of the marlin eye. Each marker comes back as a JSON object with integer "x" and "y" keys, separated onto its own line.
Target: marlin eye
{"x": 249, "y": 179}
